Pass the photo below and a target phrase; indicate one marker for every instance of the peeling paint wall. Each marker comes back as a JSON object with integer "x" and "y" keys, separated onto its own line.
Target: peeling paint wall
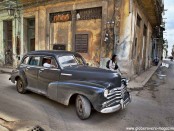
{"x": 60, "y": 33}
{"x": 2, "y": 57}
{"x": 132, "y": 62}
{"x": 93, "y": 29}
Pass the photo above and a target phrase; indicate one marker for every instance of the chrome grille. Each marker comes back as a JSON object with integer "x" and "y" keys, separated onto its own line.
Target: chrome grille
{"x": 117, "y": 92}
{"x": 114, "y": 96}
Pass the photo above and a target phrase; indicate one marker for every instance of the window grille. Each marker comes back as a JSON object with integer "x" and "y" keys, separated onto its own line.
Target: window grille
{"x": 92, "y": 13}
{"x": 81, "y": 43}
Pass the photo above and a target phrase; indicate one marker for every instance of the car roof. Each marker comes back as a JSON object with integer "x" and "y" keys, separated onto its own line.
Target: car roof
{"x": 51, "y": 52}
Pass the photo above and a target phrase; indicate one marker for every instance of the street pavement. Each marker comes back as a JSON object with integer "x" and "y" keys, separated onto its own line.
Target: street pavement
{"x": 153, "y": 106}
{"x": 138, "y": 82}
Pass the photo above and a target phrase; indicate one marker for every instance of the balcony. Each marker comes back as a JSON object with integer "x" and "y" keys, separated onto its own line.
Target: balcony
{"x": 153, "y": 10}
{"x": 30, "y": 3}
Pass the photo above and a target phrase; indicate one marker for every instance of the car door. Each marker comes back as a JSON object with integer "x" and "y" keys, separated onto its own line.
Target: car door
{"x": 48, "y": 74}
{"x": 31, "y": 72}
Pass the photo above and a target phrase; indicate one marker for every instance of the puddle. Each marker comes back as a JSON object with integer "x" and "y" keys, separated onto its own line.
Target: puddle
{"x": 152, "y": 87}
{"x": 161, "y": 76}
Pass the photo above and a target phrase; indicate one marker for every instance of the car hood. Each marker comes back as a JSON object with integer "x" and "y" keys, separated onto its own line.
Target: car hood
{"x": 92, "y": 74}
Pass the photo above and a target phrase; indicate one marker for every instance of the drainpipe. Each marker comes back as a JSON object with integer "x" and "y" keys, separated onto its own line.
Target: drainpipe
{"x": 73, "y": 29}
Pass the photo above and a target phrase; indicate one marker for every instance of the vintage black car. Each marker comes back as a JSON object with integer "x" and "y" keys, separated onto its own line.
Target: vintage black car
{"x": 63, "y": 76}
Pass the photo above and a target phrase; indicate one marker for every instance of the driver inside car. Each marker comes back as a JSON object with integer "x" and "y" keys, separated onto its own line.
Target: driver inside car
{"x": 47, "y": 63}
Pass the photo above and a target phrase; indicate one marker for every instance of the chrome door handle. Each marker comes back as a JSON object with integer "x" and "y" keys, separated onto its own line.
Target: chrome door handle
{"x": 41, "y": 70}
{"x": 27, "y": 68}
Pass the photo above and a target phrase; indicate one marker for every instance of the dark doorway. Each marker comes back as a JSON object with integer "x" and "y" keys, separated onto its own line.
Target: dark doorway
{"x": 32, "y": 44}
{"x": 8, "y": 47}
{"x": 31, "y": 34}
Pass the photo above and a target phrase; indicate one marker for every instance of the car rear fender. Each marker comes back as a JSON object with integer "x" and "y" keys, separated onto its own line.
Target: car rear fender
{"x": 18, "y": 74}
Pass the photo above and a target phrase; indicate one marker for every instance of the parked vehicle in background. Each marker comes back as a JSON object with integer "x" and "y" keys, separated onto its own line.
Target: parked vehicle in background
{"x": 66, "y": 76}
{"x": 156, "y": 61}
{"x": 171, "y": 58}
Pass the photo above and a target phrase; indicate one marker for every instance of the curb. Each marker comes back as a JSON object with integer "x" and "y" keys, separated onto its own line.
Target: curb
{"x": 6, "y": 70}
{"x": 3, "y": 71}
{"x": 140, "y": 86}
{"x": 136, "y": 88}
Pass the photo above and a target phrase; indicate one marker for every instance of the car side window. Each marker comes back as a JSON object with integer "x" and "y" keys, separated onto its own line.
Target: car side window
{"x": 25, "y": 60}
{"x": 35, "y": 60}
{"x": 54, "y": 63}
{"x": 49, "y": 62}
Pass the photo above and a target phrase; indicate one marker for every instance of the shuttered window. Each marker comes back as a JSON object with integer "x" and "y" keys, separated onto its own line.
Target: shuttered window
{"x": 81, "y": 43}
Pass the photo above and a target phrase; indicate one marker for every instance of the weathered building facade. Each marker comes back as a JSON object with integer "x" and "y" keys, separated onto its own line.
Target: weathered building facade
{"x": 139, "y": 41}
{"x": 9, "y": 37}
{"x": 94, "y": 28}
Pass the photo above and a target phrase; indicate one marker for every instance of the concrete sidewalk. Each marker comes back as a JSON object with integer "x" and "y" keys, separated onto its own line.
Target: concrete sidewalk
{"x": 139, "y": 81}
{"x": 5, "y": 70}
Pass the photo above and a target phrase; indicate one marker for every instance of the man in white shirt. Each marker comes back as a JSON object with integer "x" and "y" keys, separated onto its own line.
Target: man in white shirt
{"x": 47, "y": 63}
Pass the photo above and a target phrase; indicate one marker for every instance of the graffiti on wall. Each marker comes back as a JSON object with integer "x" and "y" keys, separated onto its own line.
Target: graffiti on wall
{"x": 60, "y": 17}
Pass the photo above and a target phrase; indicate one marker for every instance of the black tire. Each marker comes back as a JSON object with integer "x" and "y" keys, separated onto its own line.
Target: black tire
{"x": 20, "y": 86}
{"x": 83, "y": 107}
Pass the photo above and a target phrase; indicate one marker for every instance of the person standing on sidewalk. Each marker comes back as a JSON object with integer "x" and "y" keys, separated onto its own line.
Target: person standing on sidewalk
{"x": 113, "y": 64}
{"x": 156, "y": 60}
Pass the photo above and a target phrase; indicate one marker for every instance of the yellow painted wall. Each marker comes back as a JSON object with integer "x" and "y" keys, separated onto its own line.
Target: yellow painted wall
{"x": 61, "y": 32}
{"x": 93, "y": 28}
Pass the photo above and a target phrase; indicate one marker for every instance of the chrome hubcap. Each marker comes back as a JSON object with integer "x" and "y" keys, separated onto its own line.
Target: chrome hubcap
{"x": 20, "y": 86}
{"x": 80, "y": 107}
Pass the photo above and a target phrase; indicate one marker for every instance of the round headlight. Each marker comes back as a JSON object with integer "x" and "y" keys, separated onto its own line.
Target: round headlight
{"x": 106, "y": 92}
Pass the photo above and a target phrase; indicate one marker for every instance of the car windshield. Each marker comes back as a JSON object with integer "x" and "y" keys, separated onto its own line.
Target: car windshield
{"x": 70, "y": 60}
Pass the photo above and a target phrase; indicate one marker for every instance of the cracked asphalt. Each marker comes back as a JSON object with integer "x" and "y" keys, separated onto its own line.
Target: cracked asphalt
{"x": 151, "y": 107}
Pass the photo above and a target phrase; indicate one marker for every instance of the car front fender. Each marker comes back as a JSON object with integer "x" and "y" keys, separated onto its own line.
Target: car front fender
{"x": 62, "y": 91}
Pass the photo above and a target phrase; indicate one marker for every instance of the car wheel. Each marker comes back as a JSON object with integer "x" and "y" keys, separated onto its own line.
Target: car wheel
{"x": 83, "y": 107}
{"x": 20, "y": 85}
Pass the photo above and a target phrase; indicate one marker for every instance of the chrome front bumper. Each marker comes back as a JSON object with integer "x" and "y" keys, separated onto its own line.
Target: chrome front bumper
{"x": 115, "y": 108}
